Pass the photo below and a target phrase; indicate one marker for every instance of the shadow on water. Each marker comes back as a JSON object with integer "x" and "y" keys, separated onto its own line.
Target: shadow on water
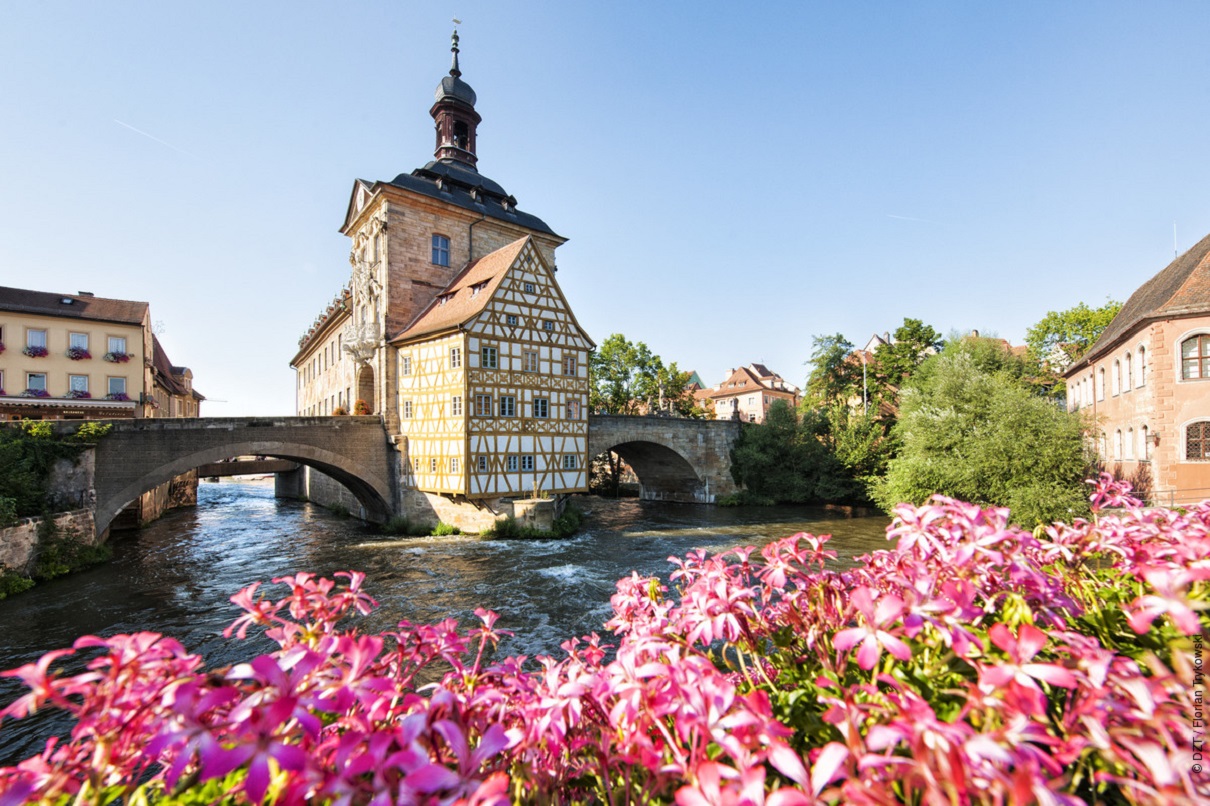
{"x": 175, "y": 576}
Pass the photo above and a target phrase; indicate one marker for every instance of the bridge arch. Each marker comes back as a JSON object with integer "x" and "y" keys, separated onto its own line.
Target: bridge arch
{"x": 676, "y": 459}
{"x": 136, "y": 458}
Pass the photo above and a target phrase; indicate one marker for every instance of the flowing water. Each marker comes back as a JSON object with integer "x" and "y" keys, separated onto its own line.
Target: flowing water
{"x": 175, "y": 576}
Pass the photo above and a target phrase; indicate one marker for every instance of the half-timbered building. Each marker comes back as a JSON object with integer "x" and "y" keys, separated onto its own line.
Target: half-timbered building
{"x": 493, "y": 383}
{"x": 453, "y": 329}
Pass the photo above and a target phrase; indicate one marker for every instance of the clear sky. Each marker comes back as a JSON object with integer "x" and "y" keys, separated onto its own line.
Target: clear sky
{"x": 733, "y": 178}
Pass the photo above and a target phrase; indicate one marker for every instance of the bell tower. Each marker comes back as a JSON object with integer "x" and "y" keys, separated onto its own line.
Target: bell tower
{"x": 455, "y": 116}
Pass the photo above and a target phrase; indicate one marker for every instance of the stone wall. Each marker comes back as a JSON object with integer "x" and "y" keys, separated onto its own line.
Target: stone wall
{"x": 19, "y": 543}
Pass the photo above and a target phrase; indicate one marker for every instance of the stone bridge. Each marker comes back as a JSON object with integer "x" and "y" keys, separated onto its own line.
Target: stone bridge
{"x": 138, "y": 455}
{"x": 675, "y": 459}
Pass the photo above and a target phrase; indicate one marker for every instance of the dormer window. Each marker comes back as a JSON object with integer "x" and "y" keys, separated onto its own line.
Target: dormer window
{"x": 441, "y": 250}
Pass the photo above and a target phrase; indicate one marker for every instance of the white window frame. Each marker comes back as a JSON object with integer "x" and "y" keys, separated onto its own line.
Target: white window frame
{"x": 489, "y": 358}
{"x": 407, "y": 410}
{"x": 116, "y": 344}
{"x": 30, "y": 383}
{"x": 456, "y": 405}
{"x": 455, "y": 357}
{"x": 510, "y": 463}
{"x": 483, "y": 405}
{"x": 441, "y": 249}
{"x": 570, "y": 365}
{"x": 573, "y": 410}
{"x": 529, "y": 361}
{"x": 72, "y": 339}
{"x": 405, "y": 365}
{"x": 109, "y": 385}
{"x": 36, "y": 337}
{"x": 72, "y": 386}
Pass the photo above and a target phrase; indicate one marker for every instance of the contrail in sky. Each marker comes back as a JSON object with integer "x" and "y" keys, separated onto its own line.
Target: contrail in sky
{"x": 909, "y": 218}
{"x": 153, "y": 137}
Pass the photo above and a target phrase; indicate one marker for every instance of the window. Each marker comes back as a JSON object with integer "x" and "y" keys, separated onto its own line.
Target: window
{"x": 482, "y": 464}
{"x": 508, "y": 406}
{"x": 1129, "y": 373}
{"x": 529, "y": 360}
{"x": 405, "y": 365}
{"x": 455, "y": 357}
{"x": 529, "y": 288}
{"x": 1195, "y": 357}
{"x": 407, "y": 409}
{"x": 1117, "y": 377}
{"x": 752, "y": 417}
{"x": 35, "y": 338}
{"x": 1129, "y": 454}
{"x": 573, "y": 409}
{"x": 35, "y": 380}
{"x": 433, "y": 465}
{"x": 117, "y": 386}
{"x": 511, "y": 463}
{"x": 1197, "y": 441}
{"x": 527, "y": 463}
{"x": 456, "y": 405}
{"x": 117, "y": 344}
{"x": 1145, "y": 450}
{"x": 453, "y": 464}
{"x": 541, "y": 407}
{"x": 77, "y": 341}
{"x": 416, "y": 465}
{"x": 548, "y": 325}
{"x": 487, "y": 358}
{"x": 1117, "y": 444}
{"x": 483, "y": 405}
{"x": 441, "y": 250}
{"x": 1142, "y": 366}
{"x": 511, "y": 319}
{"x": 77, "y": 383}
{"x": 569, "y": 365}
{"x": 1101, "y": 383}
{"x": 570, "y": 461}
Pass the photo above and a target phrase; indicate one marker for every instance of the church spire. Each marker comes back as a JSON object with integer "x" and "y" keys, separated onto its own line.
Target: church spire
{"x": 454, "y": 114}
{"x": 454, "y": 71}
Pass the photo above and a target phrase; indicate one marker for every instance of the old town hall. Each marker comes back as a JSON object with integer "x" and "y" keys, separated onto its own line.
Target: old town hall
{"x": 454, "y": 329}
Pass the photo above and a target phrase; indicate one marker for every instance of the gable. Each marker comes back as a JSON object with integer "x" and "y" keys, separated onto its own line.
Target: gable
{"x": 362, "y": 193}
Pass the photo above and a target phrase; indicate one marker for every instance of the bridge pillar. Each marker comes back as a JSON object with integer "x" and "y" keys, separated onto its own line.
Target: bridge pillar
{"x": 290, "y": 484}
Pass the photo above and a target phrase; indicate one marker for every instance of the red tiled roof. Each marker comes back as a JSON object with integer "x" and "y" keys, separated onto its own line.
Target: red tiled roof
{"x": 82, "y": 306}
{"x": 466, "y": 296}
{"x": 1180, "y": 289}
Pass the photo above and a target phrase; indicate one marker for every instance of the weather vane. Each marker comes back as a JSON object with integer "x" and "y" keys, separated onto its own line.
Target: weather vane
{"x": 457, "y": 21}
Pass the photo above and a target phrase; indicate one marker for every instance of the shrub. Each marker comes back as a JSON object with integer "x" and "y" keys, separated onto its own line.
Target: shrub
{"x": 361, "y": 407}
{"x": 12, "y": 583}
{"x": 340, "y": 411}
{"x": 397, "y": 525}
{"x": 64, "y": 553}
{"x": 339, "y": 510}
{"x": 442, "y": 529}
{"x": 972, "y": 662}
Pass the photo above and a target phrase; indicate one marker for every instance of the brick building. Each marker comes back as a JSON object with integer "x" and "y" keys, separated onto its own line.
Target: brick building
{"x": 1146, "y": 383}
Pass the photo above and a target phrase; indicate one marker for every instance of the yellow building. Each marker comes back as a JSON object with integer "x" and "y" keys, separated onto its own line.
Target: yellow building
{"x": 493, "y": 383}
{"x": 442, "y": 263}
{"x": 73, "y": 356}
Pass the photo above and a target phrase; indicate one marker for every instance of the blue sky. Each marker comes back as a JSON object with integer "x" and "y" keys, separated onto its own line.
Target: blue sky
{"x": 733, "y": 179}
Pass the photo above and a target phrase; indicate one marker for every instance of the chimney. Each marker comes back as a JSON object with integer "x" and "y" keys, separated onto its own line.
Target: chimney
{"x": 85, "y": 294}
{"x": 974, "y": 334}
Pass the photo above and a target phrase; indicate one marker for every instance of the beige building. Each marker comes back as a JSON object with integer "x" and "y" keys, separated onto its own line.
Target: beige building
{"x": 443, "y": 264}
{"x": 747, "y": 393}
{"x": 1145, "y": 384}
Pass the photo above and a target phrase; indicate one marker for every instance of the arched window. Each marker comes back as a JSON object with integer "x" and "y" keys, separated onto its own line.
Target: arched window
{"x": 1145, "y": 452}
{"x": 1129, "y": 373}
{"x": 1101, "y": 383}
{"x": 1117, "y": 444}
{"x": 1197, "y": 441}
{"x": 1117, "y": 377}
{"x": 1104, "y": 446}
{"x": 1129, "y": 444}
{"x": 1142, "y": 366}
{"x": 1195, "y": 357}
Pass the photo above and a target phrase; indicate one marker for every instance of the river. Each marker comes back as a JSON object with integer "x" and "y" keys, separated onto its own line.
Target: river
{"x": 175, "y": 576}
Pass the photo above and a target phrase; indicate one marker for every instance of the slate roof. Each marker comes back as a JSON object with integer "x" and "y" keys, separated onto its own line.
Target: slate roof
{"x": 1182, "y": 288}
{"x": 82, "y": 306}
{"x": 458, "y": 182}
{"x": 459, "y": 302}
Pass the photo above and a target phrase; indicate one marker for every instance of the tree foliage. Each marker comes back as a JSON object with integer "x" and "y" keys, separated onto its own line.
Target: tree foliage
{"x": 628, "y": 378}
{"x": 785, "y": 461}
{"x": 834, "y": 377}
{"x": 1071, "y": 331}
{"x": 971, "y": 428}
{"x": 911, "y": 343}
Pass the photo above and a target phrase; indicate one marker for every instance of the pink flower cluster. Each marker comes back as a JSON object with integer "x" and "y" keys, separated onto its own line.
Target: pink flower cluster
{"x": 78, "y": 353}
{"x": 972, "y": 663}
{"x": 35, "y": 352}
{"x": 116, "y": 358}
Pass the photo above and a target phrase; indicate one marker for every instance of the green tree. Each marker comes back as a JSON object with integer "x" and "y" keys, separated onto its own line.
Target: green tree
{"x": 784, "y": 460}
{"x": 623, "y": 376}
{"x": 834, "y": 377}
{"x": 970, "y": 427}
{"x": 911, "y": 343}
{"x": 1070, "y": 332}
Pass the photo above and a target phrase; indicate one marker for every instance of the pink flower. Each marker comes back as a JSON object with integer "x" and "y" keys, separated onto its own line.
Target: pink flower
{"x": 1019, "y": 672}
{"x": 872, "y": 637}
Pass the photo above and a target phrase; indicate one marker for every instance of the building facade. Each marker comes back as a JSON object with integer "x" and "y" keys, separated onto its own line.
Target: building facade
{"x": 441, "y": 262}
{"x": 747, "y": 394}
{"x": 1145, "y": 384}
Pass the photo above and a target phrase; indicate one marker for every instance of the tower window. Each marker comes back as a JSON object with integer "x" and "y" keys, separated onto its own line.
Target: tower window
{"x": 462, "y": 138}
{"x": 441, "y": 250}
